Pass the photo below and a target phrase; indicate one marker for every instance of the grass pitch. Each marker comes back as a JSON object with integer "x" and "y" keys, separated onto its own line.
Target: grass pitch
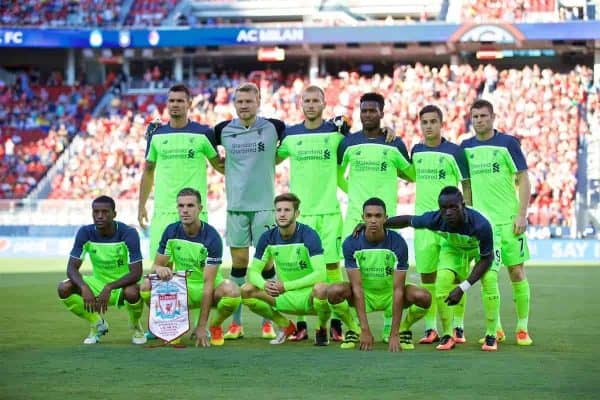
{"x": 42, "y": 356}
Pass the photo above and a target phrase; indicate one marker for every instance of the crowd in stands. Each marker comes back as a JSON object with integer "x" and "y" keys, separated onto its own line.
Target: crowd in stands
{"x": 37, "y": 121}
{"x": 149, "y": 12}
{"x": 60, "y": 13}
{"x": 520, "y": 11}
{"x": 544, "y": 109}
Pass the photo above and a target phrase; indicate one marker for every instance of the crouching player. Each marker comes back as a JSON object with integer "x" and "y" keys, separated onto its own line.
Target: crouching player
{"x": 376, "y": 261}
{"x": 114, "y": 251}
{"x": 191, "y": 244}
{"x": 297, "y": 254}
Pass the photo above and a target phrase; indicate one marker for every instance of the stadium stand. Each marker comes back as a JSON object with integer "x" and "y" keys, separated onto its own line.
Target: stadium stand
{"x": 544, "y": 109}
{"x": 149, "y": 12}
{"x": 509, "y": 10}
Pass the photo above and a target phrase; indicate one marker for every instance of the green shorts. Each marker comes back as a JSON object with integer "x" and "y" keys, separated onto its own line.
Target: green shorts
{"x": 244, "y": 228}
{"x": 96, "y": 285}
{"x": 196, "y": 289}
{"x": 459, "y": 260}
{"x": 513, "y": 248}
{"x": 427, "y": 250}
{"x": 379, "y": 302}
{"x": 158, "y": 225}
{"x": 329, "y": 228}
{"x": 352, "y": 219}
{"x": 295, "y": 302}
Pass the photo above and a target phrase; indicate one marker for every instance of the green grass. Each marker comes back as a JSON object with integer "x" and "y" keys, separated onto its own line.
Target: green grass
{"x": 41, "y": 355}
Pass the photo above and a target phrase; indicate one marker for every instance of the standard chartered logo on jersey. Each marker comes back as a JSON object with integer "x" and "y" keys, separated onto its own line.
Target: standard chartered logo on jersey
{"x": 245, "y": 148}
{"x": 370, "y": 166}
{"x": 484, "y": 168}
{"x": 180, "y": 153}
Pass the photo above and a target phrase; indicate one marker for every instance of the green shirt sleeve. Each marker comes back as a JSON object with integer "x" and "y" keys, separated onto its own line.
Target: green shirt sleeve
{"x": 255, "y": 273}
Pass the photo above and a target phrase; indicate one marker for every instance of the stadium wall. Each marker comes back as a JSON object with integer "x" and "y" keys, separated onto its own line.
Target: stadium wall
{"x": 544, "y": 251}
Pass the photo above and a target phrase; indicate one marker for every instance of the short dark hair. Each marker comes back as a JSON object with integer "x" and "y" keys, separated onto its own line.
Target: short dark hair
{"x": 291, "y": 197}
{"x": 372, "y": 96}
{"x": 105, "y": 200}
{"x": 451, "y": 190}
{"x": 429, "y": 108}
{"x": 374, "y": 201}
{"x": 481, "y": 103}
{"x": 190, "y": 192}
{"x": 180, "y": 87}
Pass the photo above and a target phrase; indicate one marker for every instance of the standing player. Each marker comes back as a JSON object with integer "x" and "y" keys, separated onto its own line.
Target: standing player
{"x": 373, "y": 166}
{"x": 496, "y": 165}
{"x": 250, "y": 143}
{"x": 191, "y": 244}
{"x": 376, "y": 261}
{"x": 176, "y": 155}
{"x": 314, "y": 176}
{"x": 466, "y": 236}
{"x": 438, "y": 163}
{"x": 297, "y": 253}
{"x": 114, "y": 251}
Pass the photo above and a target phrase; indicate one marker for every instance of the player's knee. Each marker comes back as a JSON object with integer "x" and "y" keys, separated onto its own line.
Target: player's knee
{"x": 516, "y": 273}
{"x": 229, "y": 289}
{"x": 423, "y": 298}
{"x": 428, "y": 277}
{"x": 247, "y": 290}
{"x": 239, "y": 258}
{"x": 320, "y": 291}
{"x": 131, "y": 293}
{"x": 335, "y": 293}
{"x": 65, "y": 289}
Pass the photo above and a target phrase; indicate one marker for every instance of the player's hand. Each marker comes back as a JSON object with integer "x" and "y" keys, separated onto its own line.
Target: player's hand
{"x": 201, "y": 337}
{"x": 394, "y": 344}
{"x": 102, "y": 300}
{"x": 272, "y": 288}
{"x": 143, "y": 217}
{"x": 389, "y": 133}
{"x": 520, "y": 225}
{"x": 89, "y": 301}
{"x": 454, "y": 297}
{"x": 366, "y": 340}
{"x": 357, "y": 229}
{"x": 164, "y": 273}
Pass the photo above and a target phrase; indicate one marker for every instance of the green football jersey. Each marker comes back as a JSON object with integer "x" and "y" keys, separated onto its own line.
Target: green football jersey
{"x": 376, "y": 261}
{"x": 298, "y": 260}
{"x": 435, "y": 168}
{"x": 493, "y": 165}
{"x": 373, "y": 167}
{"x": 193, "y": 253}
{"x": 110, "y": 256}
{"x": 180, "y": 156}
{"x": 313, "y": 166}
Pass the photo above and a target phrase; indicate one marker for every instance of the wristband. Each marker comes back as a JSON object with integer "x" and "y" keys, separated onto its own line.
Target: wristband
{"x": 464, "y": 285}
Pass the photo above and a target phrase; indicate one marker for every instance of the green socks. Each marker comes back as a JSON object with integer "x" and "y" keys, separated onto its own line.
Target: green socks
{"x": 225, "y": 307}
{"x": 265, "y": 310}
{"x": 75, "y": 304}
{"x": 431, "y": 314}
{"x": 334, "y": 275}
{"x": 443, "y": 285}
{"x": 343, "y": 310}
{"x": 459, "y": 313}
{"x": 135, "y": 311}
{"x": 490, "y": 296}
{"x": 323, "y": 311}
{"x": 145, "y": 295}
{"x": 521, "y": 294}
{"x": 413, "y": 314}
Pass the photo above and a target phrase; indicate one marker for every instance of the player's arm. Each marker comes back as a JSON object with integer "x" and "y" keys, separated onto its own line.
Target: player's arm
{"x": 406, "y": 175}
{"x": 145, "y": 188}
{"x": 484, "y": 234}
{"x": 397, "y": 307}
{"x": 477, "y": 272}
{"x": 366, "y": 337}
{"x": 210, "y": 272}
{"x": 319, "y": 274}
{"x": 524, "y": 188}
{"x": 398, "y": 222}
{"x": 218, "y": 164}
{"x": 342, "y": 182}
{"x": 162, "y": 266}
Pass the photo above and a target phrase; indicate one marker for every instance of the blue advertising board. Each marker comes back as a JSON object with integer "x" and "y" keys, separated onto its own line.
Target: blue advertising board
{"x": 249, "y": 35}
